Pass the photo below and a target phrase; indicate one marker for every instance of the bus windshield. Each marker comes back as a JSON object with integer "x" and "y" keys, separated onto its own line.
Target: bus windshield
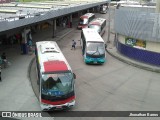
{"x": 95, "y": 48}
{"x": 96, "y": 27}
{"x": 57, "y": 84}
{"x": 83, "y": 21}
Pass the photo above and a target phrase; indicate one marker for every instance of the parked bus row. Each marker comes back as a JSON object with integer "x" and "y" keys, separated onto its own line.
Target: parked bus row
{"x": 93, "y": 46}
{"x": 88, "y": 20}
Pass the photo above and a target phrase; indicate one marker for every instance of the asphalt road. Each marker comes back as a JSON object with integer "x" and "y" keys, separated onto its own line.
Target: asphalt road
{"x": 113, "y": 86}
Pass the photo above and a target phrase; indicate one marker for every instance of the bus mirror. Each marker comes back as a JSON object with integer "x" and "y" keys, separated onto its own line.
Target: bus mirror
{"x": 105, "y": 46}
{"x": 74, "y": 75}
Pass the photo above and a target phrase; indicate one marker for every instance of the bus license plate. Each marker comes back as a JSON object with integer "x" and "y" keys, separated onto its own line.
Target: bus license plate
{"x": 95, "y": 61}
{"x": 59, "y": 107}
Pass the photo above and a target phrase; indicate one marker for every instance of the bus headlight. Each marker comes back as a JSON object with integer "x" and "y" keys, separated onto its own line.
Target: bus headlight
{"x": 44, "y": 104}
{"x": 72, "y": 101}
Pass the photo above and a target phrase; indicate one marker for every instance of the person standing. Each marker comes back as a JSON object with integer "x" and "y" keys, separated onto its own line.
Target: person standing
{"x": 64, "y": 23}
{"x": 30, "y": 46}
{"x": 4, "y": 59}
{"x": 73, "y": 44}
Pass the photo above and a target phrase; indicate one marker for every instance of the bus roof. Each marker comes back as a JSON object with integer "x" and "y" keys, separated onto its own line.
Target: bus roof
{"x": 97, "y": 21}
{"x": 50, "y": 57}
{"x": 87, "y": 15}
{"x": 92, "y": 35}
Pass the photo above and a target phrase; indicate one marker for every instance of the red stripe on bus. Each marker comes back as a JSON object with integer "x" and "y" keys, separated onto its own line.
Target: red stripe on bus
{"x": 52, "y": 66}
{"x": 84, "y": 16}
{"x": 82, "y": 26}
{"x": 95, "y": 23}
{"x": 58, "y": 102}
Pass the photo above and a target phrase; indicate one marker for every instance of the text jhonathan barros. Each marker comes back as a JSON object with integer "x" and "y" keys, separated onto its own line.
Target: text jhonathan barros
{"x": 143, "y": 115}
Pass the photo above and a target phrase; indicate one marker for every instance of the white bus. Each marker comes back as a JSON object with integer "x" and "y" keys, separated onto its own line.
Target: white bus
{"x": 85, "y": 19}
{"x": 99, "y": 24}
{"x": 103, "y": 9}
{"x": 93, "y": 47}
{"x": 55, "y": 77}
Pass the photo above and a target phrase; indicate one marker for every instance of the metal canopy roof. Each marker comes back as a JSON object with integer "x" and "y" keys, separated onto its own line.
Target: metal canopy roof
{"x": 7, "y": 11}
{"x": 34, "y": 6}
{"x": 33, "y": 12}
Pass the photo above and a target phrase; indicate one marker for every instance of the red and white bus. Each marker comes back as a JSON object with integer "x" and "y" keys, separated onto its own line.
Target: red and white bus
{"x": 99, "y": 24}
{"x": 55, "y": 77}
{"x": 85, "y": 19}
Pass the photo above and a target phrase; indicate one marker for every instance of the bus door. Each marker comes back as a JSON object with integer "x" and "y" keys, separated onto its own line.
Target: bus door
{"x": 83, "y": 43}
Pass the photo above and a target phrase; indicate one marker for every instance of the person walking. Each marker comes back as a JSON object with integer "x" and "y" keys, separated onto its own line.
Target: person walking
{"x": 73, "y": 44}
{"x": 30, "y": 46}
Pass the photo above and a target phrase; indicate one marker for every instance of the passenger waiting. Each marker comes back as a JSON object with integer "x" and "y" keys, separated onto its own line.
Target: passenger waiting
{"x": 4, "y": 59}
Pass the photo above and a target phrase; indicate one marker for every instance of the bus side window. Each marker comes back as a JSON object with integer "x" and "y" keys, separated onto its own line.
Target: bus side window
{"x": 35, "y": 50}
{"x": 74, "y": 75}
{"x": 103, "y": 25}
{"x": 84, "y": 43}
{"x": 91, "y": 18}
{"x": 84, "y": 47}
{"x": 81, "y": 42}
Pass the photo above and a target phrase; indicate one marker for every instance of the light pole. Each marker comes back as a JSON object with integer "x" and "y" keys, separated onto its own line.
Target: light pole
{"x": 108, "y": 40}
{"x": 157, "y": 6}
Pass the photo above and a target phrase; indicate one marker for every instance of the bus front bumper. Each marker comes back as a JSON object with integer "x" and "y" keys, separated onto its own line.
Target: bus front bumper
{"x": 48, "y": 107}
{"x": 95, "y": 60}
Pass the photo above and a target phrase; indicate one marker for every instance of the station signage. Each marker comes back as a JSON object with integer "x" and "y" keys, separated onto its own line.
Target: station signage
{"x": 137, "y": 43}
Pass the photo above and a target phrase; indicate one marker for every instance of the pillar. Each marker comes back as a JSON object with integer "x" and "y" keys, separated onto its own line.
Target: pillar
{"x": 158, "y": 6}
{"x": 79, "y": 13}
{"x": 93, "y": 9}
{"x": 54, "y": 28}
{"x": 70, "y": 19}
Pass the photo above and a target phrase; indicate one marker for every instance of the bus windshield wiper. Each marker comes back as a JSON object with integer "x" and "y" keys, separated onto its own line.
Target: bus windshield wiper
{"x": 96, "y": 51}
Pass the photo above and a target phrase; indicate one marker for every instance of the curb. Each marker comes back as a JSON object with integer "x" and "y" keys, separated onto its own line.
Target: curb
{"x": 29, "y": 76}
{"x": 134, "y": 64}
